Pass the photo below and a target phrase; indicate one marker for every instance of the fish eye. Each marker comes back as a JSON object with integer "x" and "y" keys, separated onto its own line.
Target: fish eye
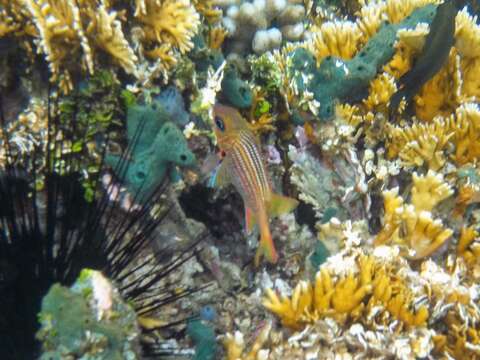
{"x": 219, "y": 123}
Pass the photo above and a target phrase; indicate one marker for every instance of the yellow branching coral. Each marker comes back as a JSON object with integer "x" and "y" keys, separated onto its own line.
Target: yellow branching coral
{"x": 370, "y": 18}
{"x": 420, "y": 143}
{"x": 72, "y": 32}
{"x": 391, "y": 221}
{"x": 208, "y": 10}
{"x": 467, "y": 35}
{"x": 462, "y": 341}
{"x": 61, "y": 34}
{"x": 442, "y": 94}
{"x": 401, "y": 61}
{"x": 429, "y": 190}
{"x": 455, "y": 84}
{"x": 397, "y": 10}
{"x": 106, "y": 32}
{"x": 164, "y": 55}
{"x": 346, "y": 297}
{"x": 429, "y": 143}
{"x": 466, "y": 126}
{"x": 458, "y": 81}
{"x": 235, "y": 344}
{"x": 14, "y": 19}
{"x": 423, "y": 234}
{"x": 467, "y": 194}
{"x": 412, "y": 225}
{"x": 413, "y": 39}
{"x": 381, "y": 89}
{"x": 216, "y": 36}
{"x": 467, "y": 247}
{"x": 335, "y": 39}
{"x": 169, "y": 21}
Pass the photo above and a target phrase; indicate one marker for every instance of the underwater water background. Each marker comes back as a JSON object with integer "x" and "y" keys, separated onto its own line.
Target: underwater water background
{"x": 239, "y": 179}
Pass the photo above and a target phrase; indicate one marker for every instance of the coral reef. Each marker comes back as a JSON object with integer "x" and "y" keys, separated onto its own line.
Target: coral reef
{"x": 89, "y": 319}
{"x": 379, "y": 260}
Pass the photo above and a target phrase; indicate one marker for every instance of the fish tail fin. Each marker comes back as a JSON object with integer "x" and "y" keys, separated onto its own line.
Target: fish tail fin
{"x": 266, "y": 248}
{"x": 280, "y": 204}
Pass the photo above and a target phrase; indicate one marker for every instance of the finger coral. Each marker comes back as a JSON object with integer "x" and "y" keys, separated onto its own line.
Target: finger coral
{"x": 346, "y": 297}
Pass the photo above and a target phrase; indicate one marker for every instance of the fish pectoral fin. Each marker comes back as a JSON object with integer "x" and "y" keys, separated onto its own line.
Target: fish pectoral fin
{"x": 250, "y": 220}
{"x": 220, "y": 176}
{"x": 280, "y": 204}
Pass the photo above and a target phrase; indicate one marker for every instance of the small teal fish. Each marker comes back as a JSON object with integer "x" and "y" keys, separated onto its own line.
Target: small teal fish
{"x": 242, "y": 165}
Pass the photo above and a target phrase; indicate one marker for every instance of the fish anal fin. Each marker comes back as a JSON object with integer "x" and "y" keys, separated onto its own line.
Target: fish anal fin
{"x": 266, "y": 248}
{"x": 280, "y": 204}
{"x": 250, "y": 220}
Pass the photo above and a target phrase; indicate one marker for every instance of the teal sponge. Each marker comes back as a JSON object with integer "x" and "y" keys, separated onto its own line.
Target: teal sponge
{"x": 87, "y": 321}
{"x": 158, "y": 147}
{"x": 204, "y": 338}
{"x": 348, "y": 80}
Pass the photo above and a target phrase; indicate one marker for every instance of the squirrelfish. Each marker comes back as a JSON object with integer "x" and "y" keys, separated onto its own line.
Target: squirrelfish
{"x": 243, "y": 166}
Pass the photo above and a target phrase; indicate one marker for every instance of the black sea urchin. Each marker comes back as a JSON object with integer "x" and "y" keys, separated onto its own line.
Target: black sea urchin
{"x": 49, "y": 231}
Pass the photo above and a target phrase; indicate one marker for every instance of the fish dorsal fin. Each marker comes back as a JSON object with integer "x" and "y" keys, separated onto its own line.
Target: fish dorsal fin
{"x": 280, "y": 204}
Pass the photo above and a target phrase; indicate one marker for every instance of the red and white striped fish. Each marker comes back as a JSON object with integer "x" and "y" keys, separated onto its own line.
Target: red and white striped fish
{"x": 243, "y": 166}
